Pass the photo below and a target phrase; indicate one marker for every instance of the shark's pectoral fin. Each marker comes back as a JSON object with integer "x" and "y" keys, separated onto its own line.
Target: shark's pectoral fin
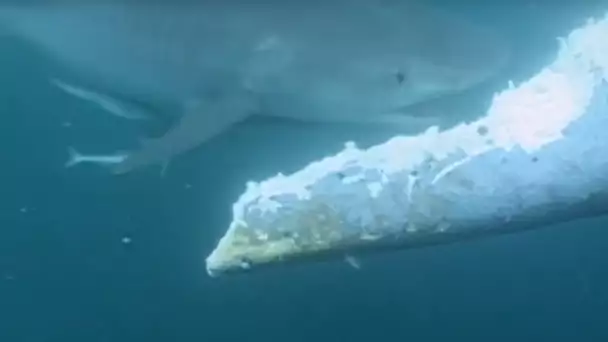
{"x": 352, "y": 262}
{"x": 150, "y": 144}
{"x": 199, "y": 124}
{"x": 163, "y": 167}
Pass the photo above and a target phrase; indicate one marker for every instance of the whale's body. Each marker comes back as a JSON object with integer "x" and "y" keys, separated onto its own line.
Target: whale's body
{"x": 536, "y": 159}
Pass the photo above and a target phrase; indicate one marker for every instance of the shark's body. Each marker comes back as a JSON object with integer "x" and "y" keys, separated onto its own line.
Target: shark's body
{"x": 77, "y": 158}
{"x": 107, "y": 103}
{"x": 360, "y": 61}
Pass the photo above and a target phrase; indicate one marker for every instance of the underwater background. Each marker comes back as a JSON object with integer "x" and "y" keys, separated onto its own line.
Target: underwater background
{"x": 87, "y": 256}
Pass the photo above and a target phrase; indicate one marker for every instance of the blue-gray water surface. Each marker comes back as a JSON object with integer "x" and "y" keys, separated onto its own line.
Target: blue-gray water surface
{"x": 87, "y": 256}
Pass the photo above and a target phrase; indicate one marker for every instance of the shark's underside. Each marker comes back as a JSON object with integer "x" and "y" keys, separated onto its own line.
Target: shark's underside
{"x": 219, "y": 62}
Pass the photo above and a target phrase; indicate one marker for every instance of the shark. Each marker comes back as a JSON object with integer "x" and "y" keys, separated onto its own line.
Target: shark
{"x": 113, "y": 106}
{"x": 217, "y": 63}
{"x": 77, "y": 158}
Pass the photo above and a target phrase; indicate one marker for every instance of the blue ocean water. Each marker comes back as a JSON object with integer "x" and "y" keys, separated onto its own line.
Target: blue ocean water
{"x": 86, "y": 256}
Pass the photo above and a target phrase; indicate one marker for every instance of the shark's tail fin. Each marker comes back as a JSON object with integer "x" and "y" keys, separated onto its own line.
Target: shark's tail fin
{"x": 74, "y": 157}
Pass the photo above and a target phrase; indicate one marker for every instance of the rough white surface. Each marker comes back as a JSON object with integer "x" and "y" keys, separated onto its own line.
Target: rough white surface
{"x": 540, "y": 149}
